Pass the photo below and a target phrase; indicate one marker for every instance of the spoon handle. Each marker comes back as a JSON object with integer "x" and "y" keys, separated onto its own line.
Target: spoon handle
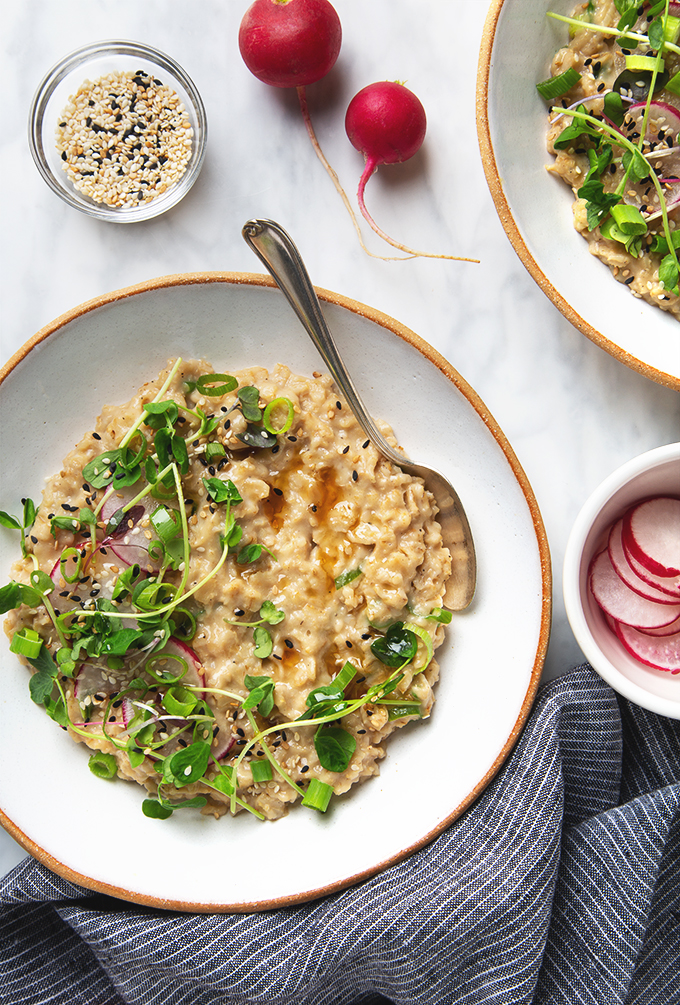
{"x": 282, "y": 259}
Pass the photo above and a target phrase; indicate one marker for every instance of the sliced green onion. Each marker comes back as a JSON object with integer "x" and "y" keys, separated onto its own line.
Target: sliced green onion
{"x": 127, "y": 458}
{"x": 26, "y": 643}
{"x": 342, "y": 679}
{"x": 278, "y": 404}
{"x": 185, "y": 624}
{"x": 179, "y": 701}
{"x": 629, "y": 219}
{"x": 261, "y": 771}
{"x": 214, "y": 385}
{"x": 400, "y": 710}
{"x": 75, "y": 555}
{"x": 671, "y": 28}
{"x": 635, "y": 62}
{"x": 166, "y": 676}
{"x": 555, "y": 87}
{"x": 674, "y": 83}
{"x": 213, "y": 451}
{"x": 426, "y": 638}
{"x": 165, "y": 524}
{"x": 318, "y": 795}
{"x": 103, "y": 765}
{"x": 346, "y": 577}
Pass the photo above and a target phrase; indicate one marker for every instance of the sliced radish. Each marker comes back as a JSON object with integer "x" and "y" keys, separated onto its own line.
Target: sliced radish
{"x": 130, "y": 539}
{"x": 621, "y": 603}
{"x": 661, "y": 653}
{"x": 619, "y": 560}
{"x": 667, "y": 584}
{"x": 651, "y": 534}
{"x": 670, "y": 629}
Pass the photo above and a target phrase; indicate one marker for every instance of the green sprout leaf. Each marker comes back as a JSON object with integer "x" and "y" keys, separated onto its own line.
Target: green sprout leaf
{"x": 396, "y": 647}
{"x": 334, "y": 747}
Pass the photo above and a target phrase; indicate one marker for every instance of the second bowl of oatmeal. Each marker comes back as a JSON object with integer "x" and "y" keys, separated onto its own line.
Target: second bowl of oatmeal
{"x": 118, "y": 129}
{"x": 536, "y": 208}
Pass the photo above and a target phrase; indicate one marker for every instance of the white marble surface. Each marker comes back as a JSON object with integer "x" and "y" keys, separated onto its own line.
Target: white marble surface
{"x": 571, "y": 412}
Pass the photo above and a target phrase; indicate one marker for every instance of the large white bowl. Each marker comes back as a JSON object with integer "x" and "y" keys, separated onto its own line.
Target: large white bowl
{"x": 518, "y": 44}
{"x": 656, "y": 472}
{"x": 93, "y": 831}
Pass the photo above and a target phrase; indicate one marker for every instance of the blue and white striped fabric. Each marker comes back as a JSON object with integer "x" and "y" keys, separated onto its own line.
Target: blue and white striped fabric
{"x": 560, "y": 885}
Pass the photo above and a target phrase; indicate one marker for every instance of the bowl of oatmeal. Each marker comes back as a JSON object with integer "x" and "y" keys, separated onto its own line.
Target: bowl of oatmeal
{"x": 325, "y": 552}
{"x": 117, "y": 129}
{"x": 604, "y": 282}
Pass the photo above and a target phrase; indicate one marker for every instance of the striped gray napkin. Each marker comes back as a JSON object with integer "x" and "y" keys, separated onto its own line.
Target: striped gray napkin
{"x": 560, "y": 885}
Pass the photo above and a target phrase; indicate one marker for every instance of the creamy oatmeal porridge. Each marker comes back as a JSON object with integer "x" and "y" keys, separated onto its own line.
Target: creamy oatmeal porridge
{"x": 229, "y": 595}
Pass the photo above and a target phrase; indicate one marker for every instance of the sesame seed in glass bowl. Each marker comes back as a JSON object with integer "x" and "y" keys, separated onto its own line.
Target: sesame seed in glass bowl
{"x": 117, "y": 129}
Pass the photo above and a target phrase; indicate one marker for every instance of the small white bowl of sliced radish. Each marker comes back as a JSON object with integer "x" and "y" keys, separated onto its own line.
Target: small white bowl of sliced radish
{"x": 621, "y": 580}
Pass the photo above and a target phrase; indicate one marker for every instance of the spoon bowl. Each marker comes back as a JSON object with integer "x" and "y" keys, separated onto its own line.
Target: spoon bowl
{"x": 278, "y": 253}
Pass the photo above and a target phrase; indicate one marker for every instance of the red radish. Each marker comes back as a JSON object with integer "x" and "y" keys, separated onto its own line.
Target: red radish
{"x": 290, "y": 43}
{"x": 293, "y": 43}
{"x": 617, "y": 600}
{"x": 623, "y": 569}
{"x": 386, "y": 122}
{"x": 651, "y": 533}
{"x": 661, "y": 653}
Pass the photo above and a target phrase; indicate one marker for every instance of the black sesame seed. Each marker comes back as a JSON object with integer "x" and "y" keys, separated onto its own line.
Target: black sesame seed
{"x": 355, "y": 476}
{"x": 289, "y": 643}
{"x": 364, "y": 445}
{"x": 628, "y": 281}
{"x": 305, "y": 767}
{"x": 362, "y": 731}
{"x": 346, "y": 450}
{"x": 96, "y": 436}
{"x": 277, "y": 491}
{"x": 239, "y": 613}
{"x": 348, "y": 643}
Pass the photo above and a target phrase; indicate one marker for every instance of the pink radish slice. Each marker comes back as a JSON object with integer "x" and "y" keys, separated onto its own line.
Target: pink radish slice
{"x": 667, "y": 584}
{"x": 129, "y": 540}
{"x": 660, "y": 653}
{"x": 623, "y": 568}
{"x": 651, "y": 533}
{"x": 670, "y": 629}
{"x": 621, "y": 603}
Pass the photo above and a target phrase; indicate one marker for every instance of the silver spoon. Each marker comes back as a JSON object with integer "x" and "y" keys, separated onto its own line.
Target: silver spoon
{"x": 273, "y": 246}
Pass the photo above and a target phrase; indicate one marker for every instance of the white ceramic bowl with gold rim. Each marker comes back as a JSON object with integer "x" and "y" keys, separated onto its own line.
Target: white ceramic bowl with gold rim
{"x": 94, "y": 832}
{"x": 518, "y": 44}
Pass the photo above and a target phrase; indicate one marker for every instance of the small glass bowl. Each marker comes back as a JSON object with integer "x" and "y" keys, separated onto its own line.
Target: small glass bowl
{"x": 90, "y": 63}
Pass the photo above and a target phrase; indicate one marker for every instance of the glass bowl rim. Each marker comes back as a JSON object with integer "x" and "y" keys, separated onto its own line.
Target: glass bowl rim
{"x": 59, "y": 71}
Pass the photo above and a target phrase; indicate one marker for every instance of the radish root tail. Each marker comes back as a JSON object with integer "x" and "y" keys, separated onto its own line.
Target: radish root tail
{"x": 371, "y": 166}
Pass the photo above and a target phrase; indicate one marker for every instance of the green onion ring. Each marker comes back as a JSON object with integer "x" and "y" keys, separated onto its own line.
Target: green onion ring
{"x": 208, "y": 384}
{"x": 165, "y": 677}
{"x": 278, "y": 403}
{"x": 131, "y": 462}
{"x": 65, "y": 555}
